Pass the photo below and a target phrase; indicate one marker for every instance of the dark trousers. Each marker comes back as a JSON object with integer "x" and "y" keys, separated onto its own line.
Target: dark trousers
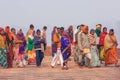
{"x": 83, "y": 60}
{"x": 45, "y": 45}
{"x": 10, "y": 56}
{"x": 39, "y": 57}
{"x": 52, "y": 50}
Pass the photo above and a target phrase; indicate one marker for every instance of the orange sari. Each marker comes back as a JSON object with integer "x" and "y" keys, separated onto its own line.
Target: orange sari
{"x": 110, "y": 45}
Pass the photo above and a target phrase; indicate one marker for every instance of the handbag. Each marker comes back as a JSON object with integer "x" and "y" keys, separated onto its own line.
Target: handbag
{"x": 86, "y": 50}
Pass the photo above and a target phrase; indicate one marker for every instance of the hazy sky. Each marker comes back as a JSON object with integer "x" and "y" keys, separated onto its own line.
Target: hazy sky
{"x": 22, "y": 13}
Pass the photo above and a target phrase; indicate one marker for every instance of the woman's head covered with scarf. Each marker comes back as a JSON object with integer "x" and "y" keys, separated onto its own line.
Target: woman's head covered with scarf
{"x": 65, "y": 34}
{"x": 70, "y": 29}
{"x": 20, "y": 35}
{"x": 7, "y": 31}
{"x": 98, "y": 26}
{"x": 1, "y": 31}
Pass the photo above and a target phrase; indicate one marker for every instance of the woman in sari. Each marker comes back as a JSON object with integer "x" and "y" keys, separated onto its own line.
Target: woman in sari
{"x": 101, "y": 44}
{"x": 3, "y": 49}
{"x": 13, "y": 32}
{"x": 94, "y": 51}
{"x": 110, "y": 47}
{"x": 30, "y": 47}
{"x": 65, "y": 49}
{"x": 70, "y": 35}
{"x": 9, "y": 39}
{"x": 20, "y": 49}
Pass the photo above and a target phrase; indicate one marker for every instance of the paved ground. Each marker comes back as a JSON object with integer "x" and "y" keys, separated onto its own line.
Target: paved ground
{"x": 45, "y": 72}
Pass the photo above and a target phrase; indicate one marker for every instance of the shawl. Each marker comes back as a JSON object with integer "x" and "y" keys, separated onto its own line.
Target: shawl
{"x": 98, "y": 32}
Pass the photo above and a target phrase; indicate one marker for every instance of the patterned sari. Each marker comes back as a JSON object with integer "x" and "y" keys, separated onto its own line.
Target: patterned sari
{"x": 31, "y": 51}
{"x": 65, "y": 45}
{"x": 94, "y": 52}
{"x": 3, "y": 53}
{"x": 20, "y": 50}
{"x": 3, "y": 58}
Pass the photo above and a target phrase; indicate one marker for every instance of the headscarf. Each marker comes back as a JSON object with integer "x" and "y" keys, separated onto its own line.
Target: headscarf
{"x": 20, "y": 36}
{"x": 65, "y": 34}
{"x": 7, "y": 30}
{"x": 1, "y": 29}
{"x": 98, "y": 26}
{"x": 4, "y": 38}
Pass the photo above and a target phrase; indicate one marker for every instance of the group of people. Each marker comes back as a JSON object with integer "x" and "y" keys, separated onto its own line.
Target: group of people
{"x": 95, "y": 47}
{"x": 89, "y": 48}
{"x": 20, "y": 50}
{"x": 61, "y": 46}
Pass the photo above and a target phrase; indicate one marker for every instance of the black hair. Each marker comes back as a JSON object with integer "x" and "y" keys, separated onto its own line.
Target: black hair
{"x": 31, "y": 26}
{"x": 58, "y": 28}
{"x": 12, "y": 29}
{"x": 105, "y": 28}
{"x": 62, "y": 28}
{"x": 92, "y": 30}
{"x": 99, "y": 24}
{"x": 45, "y": 27}
{"x": 82, "y": 25}
{"x": 112, "y": 30}
{"x": 78, "y": 26}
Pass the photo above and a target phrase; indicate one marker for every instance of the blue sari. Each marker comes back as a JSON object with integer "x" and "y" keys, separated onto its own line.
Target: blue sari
{"x": 64, "y": 44}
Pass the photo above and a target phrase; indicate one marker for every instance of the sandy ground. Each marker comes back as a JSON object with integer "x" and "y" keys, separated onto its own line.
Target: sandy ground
{"x": 45, "y": 72}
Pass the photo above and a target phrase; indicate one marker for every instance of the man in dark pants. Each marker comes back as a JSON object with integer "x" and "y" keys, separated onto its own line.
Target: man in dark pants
{"x": 37, "y": 44}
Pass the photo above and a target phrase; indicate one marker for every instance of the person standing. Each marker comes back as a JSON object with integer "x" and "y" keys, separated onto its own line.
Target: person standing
{"x": 98, "y": 31}
{"x": 65, "y": 48}
{"x": 44, "y": 36}
{"x": 53, "y": 44}
{"x": 76, "y": 49}
{"x": 84, "y": 47}
{"x": 57, "y": 40}
{"x": 110, "y": 47}
{"x": 70, "y": 34}
{"x": 95, "y": 62}
{"x": 37, "y": 45}
{"x": 9, "y": 39}
{"x": 20, "y": 49}
{"x": 3, "y": 49}
{"x": 101, "y": 44}
{"x": 13, "y": 32}
{"x": 30, "y": 47}
{"x": 79, "y": 57}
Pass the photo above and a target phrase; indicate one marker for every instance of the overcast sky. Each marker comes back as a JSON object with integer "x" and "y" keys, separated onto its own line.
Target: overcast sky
{"x": 22, "y": 13}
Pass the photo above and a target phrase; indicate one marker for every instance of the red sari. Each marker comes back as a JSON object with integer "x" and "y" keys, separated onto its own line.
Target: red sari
{"x": 10, "y": 47}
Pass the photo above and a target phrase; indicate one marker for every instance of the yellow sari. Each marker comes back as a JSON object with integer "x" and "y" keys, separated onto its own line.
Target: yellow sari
{"x": 110, "y": 45}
